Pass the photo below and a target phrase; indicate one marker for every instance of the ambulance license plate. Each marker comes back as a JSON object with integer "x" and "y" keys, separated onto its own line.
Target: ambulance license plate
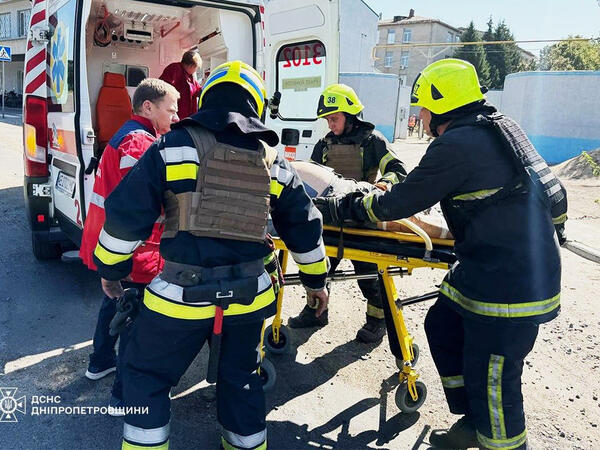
{"x": 65, "y": 184}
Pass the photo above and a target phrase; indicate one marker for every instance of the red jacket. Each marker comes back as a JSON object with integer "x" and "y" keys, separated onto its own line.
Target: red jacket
{"x": 188, "y": 87}
{"x": 120, "y": 155}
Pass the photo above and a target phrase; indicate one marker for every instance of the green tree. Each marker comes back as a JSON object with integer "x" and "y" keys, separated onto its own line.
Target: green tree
{"x": 475, "y": 54}
{"x": 571, "y": 55}
{"x": 502, "y": 58}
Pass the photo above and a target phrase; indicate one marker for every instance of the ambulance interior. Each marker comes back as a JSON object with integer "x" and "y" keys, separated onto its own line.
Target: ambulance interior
{"x": 133, "y": 40}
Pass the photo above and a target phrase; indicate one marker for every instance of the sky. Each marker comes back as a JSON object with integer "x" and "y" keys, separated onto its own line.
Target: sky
{"x": 527, "y": 19}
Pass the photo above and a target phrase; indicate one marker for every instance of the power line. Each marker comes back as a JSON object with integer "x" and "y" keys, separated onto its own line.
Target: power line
{"x": 460, "y": 44}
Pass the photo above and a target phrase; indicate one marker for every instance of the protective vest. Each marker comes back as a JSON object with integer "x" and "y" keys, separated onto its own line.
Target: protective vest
{"x": 347, "y": 160}
{"x": 533, "y": 174}
{"x": 231, "y": 200}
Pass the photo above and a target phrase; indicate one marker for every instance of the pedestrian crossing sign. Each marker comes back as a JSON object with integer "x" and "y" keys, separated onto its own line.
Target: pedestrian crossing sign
{"x": 5, "y": 53}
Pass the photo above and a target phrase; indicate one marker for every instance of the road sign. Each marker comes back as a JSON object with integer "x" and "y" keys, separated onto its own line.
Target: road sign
{"x": 5, "y": 53}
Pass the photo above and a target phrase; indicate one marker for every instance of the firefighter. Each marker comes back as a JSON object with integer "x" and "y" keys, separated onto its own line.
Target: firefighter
{"x": 355, "y": 150}
{"x": 506, "y": 211}
{"x": 217, "y": 183}
{"x": 154, "y": 109}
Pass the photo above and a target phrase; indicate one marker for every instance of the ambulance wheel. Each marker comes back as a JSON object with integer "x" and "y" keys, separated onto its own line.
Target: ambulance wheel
{"x": 405, "y": 402}
{"x": 268, "y": 374}
{"x": 277, "y": 348}
{"x": 44, "y": 250}
{"x": 413, "y": 362}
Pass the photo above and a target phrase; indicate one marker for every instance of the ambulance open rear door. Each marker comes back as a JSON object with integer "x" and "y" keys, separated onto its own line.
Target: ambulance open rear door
{"x": 302, "y": 58}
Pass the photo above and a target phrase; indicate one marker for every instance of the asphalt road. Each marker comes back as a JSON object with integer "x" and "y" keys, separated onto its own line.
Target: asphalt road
{"x": 331, "y": 392}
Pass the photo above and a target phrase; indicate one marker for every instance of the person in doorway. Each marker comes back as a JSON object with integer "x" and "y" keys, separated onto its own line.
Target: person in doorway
{"x": 412, "y": 122}
{"x": 355, "y": 150}
{"x": 217, "y": 184}
{"x": 182, "y": 75}
{"x": 506, "y": 211}
{"x": 154, "y": 108}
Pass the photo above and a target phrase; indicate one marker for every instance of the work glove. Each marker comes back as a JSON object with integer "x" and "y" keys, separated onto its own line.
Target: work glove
{"x": 339, "y": 210}
{"x": 128, "y": 307}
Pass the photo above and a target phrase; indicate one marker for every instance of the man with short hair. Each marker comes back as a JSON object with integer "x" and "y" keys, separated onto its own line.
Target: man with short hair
{"x": 154, "y": 108}
{"x": 182, "y": 75}
{"x": 506, "y": 211}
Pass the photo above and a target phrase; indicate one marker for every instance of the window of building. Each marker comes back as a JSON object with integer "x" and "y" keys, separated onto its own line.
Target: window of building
{"x": 5, "y": 26}
{"x": 404, "y": 59}
{"x": 450, "y": 37}
{"x": 388, "y": 59}
{"x": 457, "y": 38}
{"x": 407, "y": 35}
{"x": 23, "y": 23}
{"x": 391, "y": 36}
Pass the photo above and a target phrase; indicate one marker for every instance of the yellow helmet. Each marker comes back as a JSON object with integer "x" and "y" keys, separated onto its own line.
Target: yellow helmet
{"x": 445, "y": 85}
{"x": 338, "y": 98}
{"x": 243, "y": 75}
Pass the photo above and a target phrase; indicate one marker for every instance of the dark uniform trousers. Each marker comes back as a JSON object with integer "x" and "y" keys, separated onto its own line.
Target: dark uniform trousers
{"x": 480, "y": 363}
{"x": 371, "y": 289}
{"x": 160, "y": 350}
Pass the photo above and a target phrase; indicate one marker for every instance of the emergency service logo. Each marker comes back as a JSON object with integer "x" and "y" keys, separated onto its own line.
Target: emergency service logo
{"x": 10, "y": 404}
{"x": 58, "y": 63}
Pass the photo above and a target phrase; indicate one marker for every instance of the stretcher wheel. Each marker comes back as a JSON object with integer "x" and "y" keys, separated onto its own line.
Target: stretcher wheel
{"x": 268, "y": 374}
{"x": 277, "y": 348}
{"x": 413, "y": 362}
{"x": 404, "y": 400}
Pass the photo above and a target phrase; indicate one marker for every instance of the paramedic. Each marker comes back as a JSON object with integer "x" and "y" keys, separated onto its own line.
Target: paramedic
{"x": 355, "y": 150}
{"x": 506, "y": 211}
{"x": 182, "y": 75}
{"x": 217, "y": 183}
{"x": 154, "y": 108}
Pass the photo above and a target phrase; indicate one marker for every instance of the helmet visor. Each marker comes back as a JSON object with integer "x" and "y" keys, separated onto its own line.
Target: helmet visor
{"x": 414, "y": 99}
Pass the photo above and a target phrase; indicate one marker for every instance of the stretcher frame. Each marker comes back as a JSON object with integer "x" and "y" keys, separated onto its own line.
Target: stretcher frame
{"x": 410, "y": 394}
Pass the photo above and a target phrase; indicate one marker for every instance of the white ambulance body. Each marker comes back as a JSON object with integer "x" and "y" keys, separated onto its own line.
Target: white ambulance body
{"x": 294, "y": 44}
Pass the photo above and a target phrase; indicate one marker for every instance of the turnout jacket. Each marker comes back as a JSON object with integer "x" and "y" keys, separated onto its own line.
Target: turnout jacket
{"x": 120, "y": 155}
{"x": 170, "y": 166}
{"x": 508, "y": 255}
{"x": 375, "y": 153}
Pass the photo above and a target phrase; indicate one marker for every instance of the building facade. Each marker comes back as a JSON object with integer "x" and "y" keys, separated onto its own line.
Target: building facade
{"x": 14, "y": 23}
{"x": 403, "y": 47}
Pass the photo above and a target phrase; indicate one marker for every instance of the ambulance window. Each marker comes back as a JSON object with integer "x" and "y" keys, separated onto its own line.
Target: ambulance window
{"x": 60, "y": 74}
{"x": 301, "y": 70}
{"x": 136, "y": 74}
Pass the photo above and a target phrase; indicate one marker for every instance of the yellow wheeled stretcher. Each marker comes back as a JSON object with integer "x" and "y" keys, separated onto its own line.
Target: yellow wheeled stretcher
{"x": 394, "y": 253}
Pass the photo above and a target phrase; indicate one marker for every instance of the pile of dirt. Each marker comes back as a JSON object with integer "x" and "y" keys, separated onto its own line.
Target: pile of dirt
{"x": 579, "y": 167}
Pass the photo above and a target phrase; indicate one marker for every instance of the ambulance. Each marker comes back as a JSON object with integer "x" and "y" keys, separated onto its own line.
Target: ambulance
{"x": 84, "y": 59}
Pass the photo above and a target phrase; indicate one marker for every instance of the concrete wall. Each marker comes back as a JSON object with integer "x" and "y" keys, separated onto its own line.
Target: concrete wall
{"x": 379, "y": 93}
{"x": 557, "y": 110}
{"x": 358, "y": 36}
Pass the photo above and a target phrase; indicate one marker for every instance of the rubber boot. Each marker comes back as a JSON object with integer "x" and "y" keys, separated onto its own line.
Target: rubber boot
{"x": 372, "y": 331}
{"x": 307, "y": 319}
{"x": 461, "y": 435}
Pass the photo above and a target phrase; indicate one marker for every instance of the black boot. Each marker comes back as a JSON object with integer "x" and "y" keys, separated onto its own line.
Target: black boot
{"x": 307, "y": 319}
{"x": 461, "y": 435}
{"x": 372, "y": 331}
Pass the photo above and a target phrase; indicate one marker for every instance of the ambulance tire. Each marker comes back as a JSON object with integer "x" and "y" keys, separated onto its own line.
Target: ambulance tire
{"x": 404, "y": 400}
{"x": 44, "y": 250}
{"x": 268, "y": 374}
{"x": 277, "y": 348}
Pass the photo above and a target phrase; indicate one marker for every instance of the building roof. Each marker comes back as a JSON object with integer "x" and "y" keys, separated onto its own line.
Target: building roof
{"x": 415, "y": 20}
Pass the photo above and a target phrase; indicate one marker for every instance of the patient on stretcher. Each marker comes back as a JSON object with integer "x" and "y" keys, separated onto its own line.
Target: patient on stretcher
{"x": 321, "y": 181}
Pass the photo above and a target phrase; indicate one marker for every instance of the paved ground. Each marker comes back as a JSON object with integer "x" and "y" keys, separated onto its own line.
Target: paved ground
{"x": 331, "y": 391}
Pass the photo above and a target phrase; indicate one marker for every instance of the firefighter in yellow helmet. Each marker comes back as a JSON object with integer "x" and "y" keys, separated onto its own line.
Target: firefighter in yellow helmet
{"x": 216, "y": 181}
{"x": 506, "y": 211}
{"x": 355, "y": 150}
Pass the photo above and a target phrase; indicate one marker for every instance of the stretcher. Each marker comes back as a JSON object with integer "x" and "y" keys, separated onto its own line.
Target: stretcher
{"x": 394, "y": 253}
